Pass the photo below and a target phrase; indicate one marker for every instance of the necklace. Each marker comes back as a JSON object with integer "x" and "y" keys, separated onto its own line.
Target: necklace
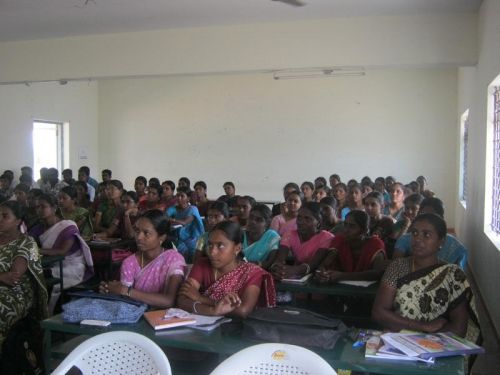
{"x": 216, "y": 274}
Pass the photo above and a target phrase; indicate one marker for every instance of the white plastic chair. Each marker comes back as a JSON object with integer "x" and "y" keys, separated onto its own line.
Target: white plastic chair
{"x": 274, "y": 359}
{"x": 118, "y": 352}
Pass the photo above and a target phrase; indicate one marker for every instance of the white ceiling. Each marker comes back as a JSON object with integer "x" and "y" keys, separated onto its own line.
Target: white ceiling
{"x": 38, "y": 19}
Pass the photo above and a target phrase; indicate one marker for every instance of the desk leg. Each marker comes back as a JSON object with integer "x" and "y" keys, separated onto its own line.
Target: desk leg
{"x": 47, "y": 348}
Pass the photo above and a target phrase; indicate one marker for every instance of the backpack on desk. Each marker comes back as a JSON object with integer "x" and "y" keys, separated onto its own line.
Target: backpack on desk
{"x": 292, "y": 325}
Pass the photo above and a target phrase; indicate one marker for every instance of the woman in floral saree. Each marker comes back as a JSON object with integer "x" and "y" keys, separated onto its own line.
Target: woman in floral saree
{"x": 223, "y": 283}
{"x": 22, "y": 285}
{"x": 422, "y": 293}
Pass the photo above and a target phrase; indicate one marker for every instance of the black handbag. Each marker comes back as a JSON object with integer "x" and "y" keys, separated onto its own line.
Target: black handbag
{"x": 292, "y": 325}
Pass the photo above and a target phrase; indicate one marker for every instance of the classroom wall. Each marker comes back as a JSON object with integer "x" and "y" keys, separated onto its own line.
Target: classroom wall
{"x": 75, "y": 103}
{"x": 262, "y": 133}
{"x": 473, "y": 83}
{"x": 394, "y": 41}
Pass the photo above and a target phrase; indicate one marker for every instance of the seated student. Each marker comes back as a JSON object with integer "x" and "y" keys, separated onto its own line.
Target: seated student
{"x": 421, "y": 293}
{"x": 340, "y": 194}
{"x": 83, "y": 199}
{"x": 168, "y": 195}
{"x": 57, "y": 236}
{"x": 321, "y": 182}
{"x": 451, "y": 251}
{"x": 319, "y": 193}
{"x": 153, "y": 274}
{"x": 423, "y": 187}
{"x": 259, "y": 240}
{"x": 244, "y": 204}
{"x": 153, "y": 199}
{"x": 140, "y": 184}
{"x": 192, "y": 225}
{"x": 217, "y": 212}
{"x": 223, "y": 284}
{"x": 367, "y": 188}
{"x": 230, "y": 196}
{"x": 21, "y": 192}
{"x": 106, "y": 175}
{"x": 287, "y": 221}
{"x": 84, "y": 176}
{"x": 379, "y": 185}
{"x": 354, "y": 254}
{"x": 330, "y": 222}
{"x": 122, "y": 225}
{"x": 307, "y": 189}
{"x": 308, "y": 244}
{"x": 67, "y": 199}
{"x": 334, "y": 180}
{"x": 109, "y": 207}
{"x": 30, "y": 215}
{"x": 380, "y": 225}
{"x": 184, "y": 182}
{"x": 395, "y": 208}
{"x": 199, "y": 198}
{"x": 412, "y": 206}
{"x": 154, "y": 181}
{"x": 354, "y": 200}
{"x": 279, "y": 208}
{"x": 22, "y": 285}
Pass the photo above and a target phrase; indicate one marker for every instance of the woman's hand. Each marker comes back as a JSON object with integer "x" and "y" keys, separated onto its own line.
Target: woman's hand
{"x": 281, "y": 271}
{"x": 114, "y": 287}
{"x": 132, "y": 212}
{"x": 188, "y": 290}
{"x": 435, "y": 325}
{"x": 10, "y": 278}
{"x": 227, "y": 304}
{"x": 324, "y": 276}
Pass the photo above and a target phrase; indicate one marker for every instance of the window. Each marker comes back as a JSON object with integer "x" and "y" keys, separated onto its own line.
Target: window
{"x": 48, "y": 147}
{"x": 495, "y": 196}
{"x": 464, "y": 140}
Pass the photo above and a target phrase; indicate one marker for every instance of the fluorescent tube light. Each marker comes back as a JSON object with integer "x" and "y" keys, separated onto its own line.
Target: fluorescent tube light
{"x": 317, "y": 73}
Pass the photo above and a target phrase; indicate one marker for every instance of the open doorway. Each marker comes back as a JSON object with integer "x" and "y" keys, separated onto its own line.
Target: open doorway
{"x": 48, "y": 147}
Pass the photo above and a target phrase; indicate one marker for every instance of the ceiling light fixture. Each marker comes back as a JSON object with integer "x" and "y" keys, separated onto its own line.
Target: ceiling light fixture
{"x": 318, "y": 73}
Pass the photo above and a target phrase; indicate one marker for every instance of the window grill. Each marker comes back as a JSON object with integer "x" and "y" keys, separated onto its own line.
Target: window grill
{"x": 495, "y": 214}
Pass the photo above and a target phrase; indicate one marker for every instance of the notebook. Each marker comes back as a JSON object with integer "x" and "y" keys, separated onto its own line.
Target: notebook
{"x": 158, "y": 321}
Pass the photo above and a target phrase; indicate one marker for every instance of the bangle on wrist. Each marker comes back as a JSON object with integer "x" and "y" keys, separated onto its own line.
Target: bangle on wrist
{"x": 194, "y": 306}
{"x": 129, "y": 289}
{"x": 308, "y": 268}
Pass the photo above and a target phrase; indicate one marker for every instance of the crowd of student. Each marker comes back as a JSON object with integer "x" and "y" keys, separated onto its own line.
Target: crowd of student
{"x": 239, "y": 248}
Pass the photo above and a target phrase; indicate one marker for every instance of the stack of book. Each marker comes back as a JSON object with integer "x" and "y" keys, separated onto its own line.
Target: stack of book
{"x": 160, "y": 319}
{"x": 419, "y": 346}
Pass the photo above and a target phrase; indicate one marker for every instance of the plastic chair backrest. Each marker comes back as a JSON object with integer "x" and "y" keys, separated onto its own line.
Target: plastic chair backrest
{"x": 274, "y": 358}
{"x": 118, "y": 352}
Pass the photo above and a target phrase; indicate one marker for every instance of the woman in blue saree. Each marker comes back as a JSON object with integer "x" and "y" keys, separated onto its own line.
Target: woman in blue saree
{"x": 191, "y": 224}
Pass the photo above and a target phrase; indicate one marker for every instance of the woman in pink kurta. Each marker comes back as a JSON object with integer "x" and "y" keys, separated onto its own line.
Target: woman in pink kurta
{"x": 153, "y": 274}
{"x": 307, "y": 244}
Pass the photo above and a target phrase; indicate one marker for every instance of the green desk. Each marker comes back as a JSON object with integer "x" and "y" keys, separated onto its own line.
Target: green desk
{"x": 313, "y": 287}
{"x": 47, "y": 262}
{"x": 227, "y": 340}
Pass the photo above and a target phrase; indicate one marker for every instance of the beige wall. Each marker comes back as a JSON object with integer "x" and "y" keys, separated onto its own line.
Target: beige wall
{"x": 411, "y": 40}
{"x": 262, "y": 133}
{"x": 485, "y": 256}
{"x": 75, "y": 103}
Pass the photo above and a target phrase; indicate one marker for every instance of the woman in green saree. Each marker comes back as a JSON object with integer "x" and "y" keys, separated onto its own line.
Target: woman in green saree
{"x": 22, "y": 285}
{"x": 422, "y": 293}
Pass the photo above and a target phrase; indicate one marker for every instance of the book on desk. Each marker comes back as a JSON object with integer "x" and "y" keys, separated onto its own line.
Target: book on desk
{"x": 297, "y": 280}
{"x": 157, "y": 320}
{"x": 430, "y": 345}
{"x": 377, "y": 349}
